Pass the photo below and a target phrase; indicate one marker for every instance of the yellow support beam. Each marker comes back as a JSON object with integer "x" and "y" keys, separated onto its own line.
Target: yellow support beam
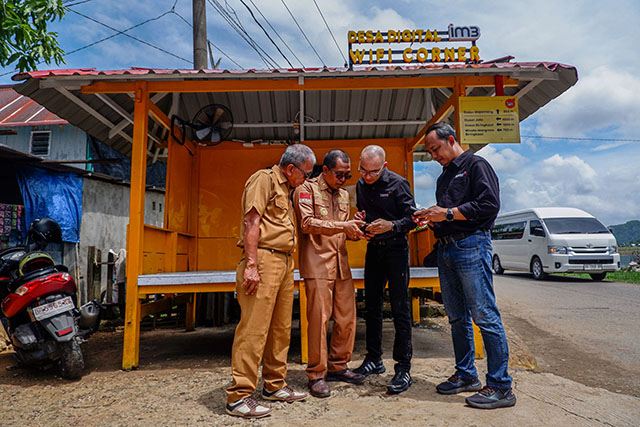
{"x": 135, "y": 229}
{"x": 276, "y": 84}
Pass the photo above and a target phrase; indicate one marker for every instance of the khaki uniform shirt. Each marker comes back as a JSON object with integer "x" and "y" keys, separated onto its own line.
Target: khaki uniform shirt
{"x": 268, "y": 192}
{"x": 320, "y": 210}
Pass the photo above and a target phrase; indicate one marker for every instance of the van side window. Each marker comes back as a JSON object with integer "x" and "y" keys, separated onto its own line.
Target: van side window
{"x": 510, "y": 231}
{"x": 535, "y": 228}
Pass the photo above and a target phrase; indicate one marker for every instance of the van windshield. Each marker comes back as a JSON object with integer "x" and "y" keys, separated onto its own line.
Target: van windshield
{"x": 575, "y": 226}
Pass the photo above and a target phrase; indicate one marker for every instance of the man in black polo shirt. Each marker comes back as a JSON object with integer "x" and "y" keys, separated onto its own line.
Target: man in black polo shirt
{"x": 385, "y": 202}
{"x": 468, "y": 201}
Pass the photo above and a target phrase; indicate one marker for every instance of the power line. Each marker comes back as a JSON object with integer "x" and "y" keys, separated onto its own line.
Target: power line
{"x": 265, "y": 32}
{"x": 580, "y": 138}
{"x": 331, "y": 32}
{"x": 303, "y": 33}
{"x": 118, "y": 33}
{"x": 277, "y": 34}
{"x": 130, "y": 36}
{"x": 208, "y": 41}
{"x": 238, "y": 27}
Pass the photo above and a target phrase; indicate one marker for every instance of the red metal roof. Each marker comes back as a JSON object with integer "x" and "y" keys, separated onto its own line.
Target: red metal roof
{"x": 18, "y": 110}
{"x": 138, "y": 71}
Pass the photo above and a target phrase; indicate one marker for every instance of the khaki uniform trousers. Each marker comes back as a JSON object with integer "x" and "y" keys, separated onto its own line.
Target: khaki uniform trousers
{"x": 264, "y": 331}
{"x": 330, "y": 299}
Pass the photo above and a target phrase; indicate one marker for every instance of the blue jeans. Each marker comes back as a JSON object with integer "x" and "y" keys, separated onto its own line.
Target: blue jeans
{"x": 464, "y": 267}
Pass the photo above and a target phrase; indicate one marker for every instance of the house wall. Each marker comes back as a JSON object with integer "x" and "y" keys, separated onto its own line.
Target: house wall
{"x": 105, "y": 215}
{"x": 67, "y": 142}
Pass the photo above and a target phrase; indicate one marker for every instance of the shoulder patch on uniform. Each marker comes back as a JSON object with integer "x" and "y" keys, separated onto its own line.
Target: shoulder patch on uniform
{"x": 304, "y": 197}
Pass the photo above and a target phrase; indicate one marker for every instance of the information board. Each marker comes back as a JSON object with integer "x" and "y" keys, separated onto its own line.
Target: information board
{"x": 488, "y": 119}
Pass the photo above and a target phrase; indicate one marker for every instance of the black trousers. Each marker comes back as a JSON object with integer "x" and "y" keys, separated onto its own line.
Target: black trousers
{"x": 388, "y": 263}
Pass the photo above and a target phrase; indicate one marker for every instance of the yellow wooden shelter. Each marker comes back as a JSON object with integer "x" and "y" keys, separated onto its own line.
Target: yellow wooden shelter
{"x": 131, "y": 110}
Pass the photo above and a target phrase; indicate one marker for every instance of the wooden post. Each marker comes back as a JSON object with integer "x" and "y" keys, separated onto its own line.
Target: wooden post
{"x": 131, "y": 347}
{"x": 97, "y": 278}
{"x": 110, "y": 266}
{"x": 91, "y": 264}
{"x": 304, "y": 323}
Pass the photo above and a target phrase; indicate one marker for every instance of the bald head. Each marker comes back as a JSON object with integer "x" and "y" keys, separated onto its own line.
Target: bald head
{"x": 372, "y": 163}
{"x": 373, "y": 152}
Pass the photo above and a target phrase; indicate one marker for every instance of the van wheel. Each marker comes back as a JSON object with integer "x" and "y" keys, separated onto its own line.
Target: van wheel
{"x": 598, "y": 277}
{"x": 497, "y": 267}
{"x": 536, "y": 269}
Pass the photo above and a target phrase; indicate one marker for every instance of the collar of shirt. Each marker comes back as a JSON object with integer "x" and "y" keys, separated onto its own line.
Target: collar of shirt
{"x": 280, "y": 176}
{"x": 458, "y": 161}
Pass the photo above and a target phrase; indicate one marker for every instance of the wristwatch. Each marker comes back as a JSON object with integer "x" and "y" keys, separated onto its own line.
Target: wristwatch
{"x": 449, "y": 215}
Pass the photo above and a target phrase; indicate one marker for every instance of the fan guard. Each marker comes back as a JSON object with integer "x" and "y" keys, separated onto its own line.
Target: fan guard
{"x": 212, "y": 124}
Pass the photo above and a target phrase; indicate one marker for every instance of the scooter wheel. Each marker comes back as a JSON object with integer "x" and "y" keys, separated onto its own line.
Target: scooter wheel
{"x": 71, "y": 362}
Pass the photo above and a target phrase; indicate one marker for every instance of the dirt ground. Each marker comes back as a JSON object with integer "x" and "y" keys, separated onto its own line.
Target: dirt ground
{"x": 182, "y": 377}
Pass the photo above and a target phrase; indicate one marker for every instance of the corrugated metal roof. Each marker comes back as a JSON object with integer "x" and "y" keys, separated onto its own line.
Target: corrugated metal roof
{"x": 273, "y": 115}
{"x": 18, "y": 110}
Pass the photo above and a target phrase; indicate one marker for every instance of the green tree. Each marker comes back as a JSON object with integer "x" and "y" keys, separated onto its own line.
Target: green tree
{"x": 24, "y": 39}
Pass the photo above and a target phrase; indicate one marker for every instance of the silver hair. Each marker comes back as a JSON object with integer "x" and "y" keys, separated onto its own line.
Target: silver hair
{"x": 373, "y": 151}
{"x": 297, "y": 154}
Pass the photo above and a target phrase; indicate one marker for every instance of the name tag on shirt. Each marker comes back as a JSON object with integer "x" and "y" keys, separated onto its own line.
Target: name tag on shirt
{"x": 460, "y": 175}
{"x": 384, "y": 194}
{"x": 304, "y": 197}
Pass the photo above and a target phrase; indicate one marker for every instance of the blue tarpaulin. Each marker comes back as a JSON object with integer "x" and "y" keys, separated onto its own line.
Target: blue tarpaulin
{"x": 55, "y": 195}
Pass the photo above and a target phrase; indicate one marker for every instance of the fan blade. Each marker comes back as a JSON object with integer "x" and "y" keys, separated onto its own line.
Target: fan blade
{"x": 216, "y": 116}
{"x": 202, "y": 133}
{"x": 226, "y": 125}
{"x": 215, "y": 135}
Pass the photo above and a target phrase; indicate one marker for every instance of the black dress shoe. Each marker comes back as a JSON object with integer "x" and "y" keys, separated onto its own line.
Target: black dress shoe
{"x": 401, "y": 382}
{"x": 319, "y": 388}
{"x": 346, "y": 375}
{"x": 369, "y": 367}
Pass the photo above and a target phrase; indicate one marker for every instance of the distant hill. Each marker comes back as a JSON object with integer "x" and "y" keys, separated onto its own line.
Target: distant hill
{"x": 627, "y": 233}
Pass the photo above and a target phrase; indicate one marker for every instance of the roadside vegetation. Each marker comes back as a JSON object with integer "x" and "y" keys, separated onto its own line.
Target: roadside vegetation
{"x": 617, "y": 276}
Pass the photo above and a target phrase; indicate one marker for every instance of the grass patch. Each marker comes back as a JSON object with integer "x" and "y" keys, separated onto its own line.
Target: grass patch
{"x": 616, "y": 276}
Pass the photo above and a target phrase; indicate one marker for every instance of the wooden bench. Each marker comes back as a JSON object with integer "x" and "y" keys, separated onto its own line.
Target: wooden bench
{"x": 192, "y": 282}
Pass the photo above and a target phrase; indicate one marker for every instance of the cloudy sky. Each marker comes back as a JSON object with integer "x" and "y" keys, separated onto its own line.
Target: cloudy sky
{"x": 598, "y": 173}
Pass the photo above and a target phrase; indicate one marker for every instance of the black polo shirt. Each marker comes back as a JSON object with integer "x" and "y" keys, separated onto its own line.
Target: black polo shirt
{"x": 470, "y": 184}
{"x": 388, "y": 198}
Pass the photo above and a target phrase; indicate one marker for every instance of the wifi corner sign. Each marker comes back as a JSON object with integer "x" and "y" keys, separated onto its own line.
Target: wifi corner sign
{"x": 373, "y": 47}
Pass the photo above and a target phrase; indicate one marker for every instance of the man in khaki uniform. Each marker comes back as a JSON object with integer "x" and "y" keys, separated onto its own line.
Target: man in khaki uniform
{"x": 322, "y": 209}
{"x": 264, "y": 284}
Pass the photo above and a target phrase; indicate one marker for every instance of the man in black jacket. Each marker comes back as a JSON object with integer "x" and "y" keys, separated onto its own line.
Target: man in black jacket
{"x": 468, "y": 201}
{"x": 385, "y": 202}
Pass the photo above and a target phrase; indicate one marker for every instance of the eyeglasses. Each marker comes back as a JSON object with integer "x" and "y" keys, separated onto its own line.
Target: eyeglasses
{"x": 342, "y": 175}
{"x": 364, "y": 172}
{"x": 307, "y": 175}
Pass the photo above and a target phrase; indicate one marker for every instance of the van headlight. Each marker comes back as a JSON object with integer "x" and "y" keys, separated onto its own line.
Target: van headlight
{"x": 613, "y": 249}
{"x": 557, "y": 249}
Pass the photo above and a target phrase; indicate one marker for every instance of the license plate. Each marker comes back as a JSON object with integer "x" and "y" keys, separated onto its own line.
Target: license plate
{"x": 593, "y": 266}
{"x": 49, "y": 310}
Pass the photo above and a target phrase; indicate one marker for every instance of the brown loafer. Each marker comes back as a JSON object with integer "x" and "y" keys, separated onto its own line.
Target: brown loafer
{"x": 319, "y": 388}
{"x": 346, "y": 375}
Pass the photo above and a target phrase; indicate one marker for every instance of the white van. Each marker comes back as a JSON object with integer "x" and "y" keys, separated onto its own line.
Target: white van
{"x": 553, "y": 240}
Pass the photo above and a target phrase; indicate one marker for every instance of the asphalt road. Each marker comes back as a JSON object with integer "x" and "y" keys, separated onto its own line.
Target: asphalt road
{"x": 576, "y": 324}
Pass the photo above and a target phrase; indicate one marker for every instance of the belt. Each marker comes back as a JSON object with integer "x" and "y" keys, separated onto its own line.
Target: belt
{"x": 389, "y": 241}
{"x": 445, "y": 240}
{"x": 275, "y": 251}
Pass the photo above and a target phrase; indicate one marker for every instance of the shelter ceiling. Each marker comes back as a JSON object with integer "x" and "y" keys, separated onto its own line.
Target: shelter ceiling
{"x": 273, "y": 115}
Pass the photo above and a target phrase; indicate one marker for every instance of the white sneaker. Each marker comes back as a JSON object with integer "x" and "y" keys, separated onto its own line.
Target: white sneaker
{"x": 247, "y": 408}
{"x": 285, "y": 394}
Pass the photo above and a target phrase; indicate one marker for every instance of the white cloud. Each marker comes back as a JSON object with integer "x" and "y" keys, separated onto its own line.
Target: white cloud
{"x": 604, "y": 100}
{"x": 424, "y": 180}
{"x": 597, "y": 186}
{"x": 505, "y": 160}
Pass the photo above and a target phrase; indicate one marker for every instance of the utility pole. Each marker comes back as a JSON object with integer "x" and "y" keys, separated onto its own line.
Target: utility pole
{"x": 199, "y": 35}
